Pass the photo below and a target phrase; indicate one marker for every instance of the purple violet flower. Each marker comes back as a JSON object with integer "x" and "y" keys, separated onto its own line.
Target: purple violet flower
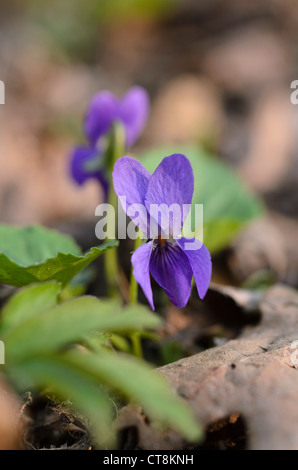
{"x": 166, "y": 255}
{"x": 104, "y": 110}
{"x": 82, "y": 157}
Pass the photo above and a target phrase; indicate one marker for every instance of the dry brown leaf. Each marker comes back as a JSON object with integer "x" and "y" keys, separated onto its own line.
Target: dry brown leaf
{"x": 253, "y": 375}
{"x": 186, "y": 108}
{"x": 270, "y": 244}
{"x": 269, "y": 157}
{"x": 9, "y": 419}
{"x": 248, "y": 59}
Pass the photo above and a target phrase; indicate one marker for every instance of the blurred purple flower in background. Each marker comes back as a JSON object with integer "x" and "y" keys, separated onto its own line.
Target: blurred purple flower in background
{"x": 104, "y": 110}
{"x": 166, "y": 257}
{"x": 83, "y": 160}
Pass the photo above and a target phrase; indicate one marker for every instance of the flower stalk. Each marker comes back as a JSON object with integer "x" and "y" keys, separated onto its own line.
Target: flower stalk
{"x": 133, "y": 287}
{"x": 115, "y": 151}
{"x": 133, "y": 297}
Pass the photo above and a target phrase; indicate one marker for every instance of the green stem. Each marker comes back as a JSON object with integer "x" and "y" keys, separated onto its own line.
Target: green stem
{"x": 133, "y": 295}
{"x": 136, "y": 345}
{"x": 111, "y": 258}
{"x": 116, "y": 151}
{"x": 133, "y": 290}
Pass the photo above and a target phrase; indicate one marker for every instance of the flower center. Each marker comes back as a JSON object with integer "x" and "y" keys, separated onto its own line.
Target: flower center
{"x": 162, "y": 241}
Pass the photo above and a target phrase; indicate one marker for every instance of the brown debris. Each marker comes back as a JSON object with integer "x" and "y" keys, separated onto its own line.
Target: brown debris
{"x": 53, "y": 426}
{"x": 254, "y": 375}
{"x": 266, "y": 60}
{"x": 186, "y": 108}
{"x": 9, "y": 419}
{"x": 273, "y": 142}
{"x": 269, "y": 244}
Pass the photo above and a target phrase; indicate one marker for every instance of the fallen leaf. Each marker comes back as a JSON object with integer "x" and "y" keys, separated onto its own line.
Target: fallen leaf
{"x": 9, "y": 419}
{"x": 254, "y": 375}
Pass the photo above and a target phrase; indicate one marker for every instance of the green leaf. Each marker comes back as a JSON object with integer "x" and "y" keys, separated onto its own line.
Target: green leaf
{"x": 70, "y": 322}
{"x": 32, "y": 245}
{"x": 28, "y": 303}
{"x": 228, "y": 205}
{"x": 66, "y": 381}
{"x": 36, "y": 254}
{"x": 136, "y": 380}
{"x": 134, "y": 8}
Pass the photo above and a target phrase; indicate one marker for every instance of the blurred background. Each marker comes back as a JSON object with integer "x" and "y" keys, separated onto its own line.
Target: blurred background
{"x": 218, "y": 73}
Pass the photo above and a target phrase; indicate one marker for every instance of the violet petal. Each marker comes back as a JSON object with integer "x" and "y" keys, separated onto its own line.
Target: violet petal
{"x": 79, "y": 159}
{"x": 101, "y": 113}
{"x": 130, "y": 181}
{"x": 133, "y": 112}
{"x": 200, "y": 261}
{"x": 172, "y": 183}
{"x": 170, "y": 268}
{"x": 140, "y": 261}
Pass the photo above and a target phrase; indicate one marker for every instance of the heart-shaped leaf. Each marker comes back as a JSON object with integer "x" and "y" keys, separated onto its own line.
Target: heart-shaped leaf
{"x": 36, "y": 254}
